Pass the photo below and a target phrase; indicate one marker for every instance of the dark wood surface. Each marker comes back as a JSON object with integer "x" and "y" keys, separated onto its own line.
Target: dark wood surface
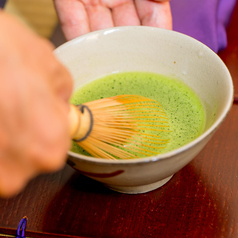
{"x": 201, "y": 200}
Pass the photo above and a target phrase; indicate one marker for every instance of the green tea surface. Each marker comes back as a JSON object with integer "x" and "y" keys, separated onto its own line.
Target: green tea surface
{"x": 181, "y": 104}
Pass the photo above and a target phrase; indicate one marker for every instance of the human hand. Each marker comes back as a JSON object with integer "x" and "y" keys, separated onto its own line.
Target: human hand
{"x": 34, "y": 93}
{"x": 78, "y": 17}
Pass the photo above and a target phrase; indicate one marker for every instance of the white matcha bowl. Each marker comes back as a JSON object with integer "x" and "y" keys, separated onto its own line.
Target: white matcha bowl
{"x": 126, "y": 49}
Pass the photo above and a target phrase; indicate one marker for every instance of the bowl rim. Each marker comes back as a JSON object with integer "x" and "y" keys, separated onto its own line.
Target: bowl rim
{"x": 181, "y": 149}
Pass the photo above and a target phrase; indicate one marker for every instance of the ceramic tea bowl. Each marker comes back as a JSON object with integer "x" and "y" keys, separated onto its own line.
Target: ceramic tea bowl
{"x": 138, "y": 48}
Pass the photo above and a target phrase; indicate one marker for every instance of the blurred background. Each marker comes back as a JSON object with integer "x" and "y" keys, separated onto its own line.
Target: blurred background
{"x": 39, "y": 15}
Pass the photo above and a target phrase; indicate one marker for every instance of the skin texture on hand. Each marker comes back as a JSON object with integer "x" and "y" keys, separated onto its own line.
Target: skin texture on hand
{"x": 78, "y": 17}
{"x": 34, "y": 93}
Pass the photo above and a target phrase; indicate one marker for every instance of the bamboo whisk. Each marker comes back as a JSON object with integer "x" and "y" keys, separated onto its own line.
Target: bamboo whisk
{"x": 120, "y": 127}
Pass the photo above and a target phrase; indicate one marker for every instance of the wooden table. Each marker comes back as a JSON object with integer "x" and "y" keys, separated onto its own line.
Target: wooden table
{"x": 201, "y": 200}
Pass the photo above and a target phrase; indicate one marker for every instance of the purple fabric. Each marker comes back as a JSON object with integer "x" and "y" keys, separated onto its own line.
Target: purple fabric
{"x": 2, "y": 3}
{"x": 205, "y": 20}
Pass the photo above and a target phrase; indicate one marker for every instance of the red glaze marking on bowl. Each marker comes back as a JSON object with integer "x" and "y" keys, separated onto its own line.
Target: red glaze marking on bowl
{"x": 101, "y": 175}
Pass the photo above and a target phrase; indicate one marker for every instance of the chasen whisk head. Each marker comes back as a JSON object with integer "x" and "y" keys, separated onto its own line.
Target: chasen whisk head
{"x": 122, "y": 127}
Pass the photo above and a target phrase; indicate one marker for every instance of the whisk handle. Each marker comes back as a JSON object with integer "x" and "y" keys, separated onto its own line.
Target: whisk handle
{"x": 80, "y": 122}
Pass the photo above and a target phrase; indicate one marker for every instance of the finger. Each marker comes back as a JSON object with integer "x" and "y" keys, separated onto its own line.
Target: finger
{"x": 11, "y": 185}
{"x": 14, "y": 175}
{"x": 60, "y": 79}
{"x": 46, "y": 126}
{"x": 63, "y": 85}
{"x": 73, "y": 18}
{"x": 157, "y": 14}
{"x": 125, "y": 15}
{"x": 100, "y": 17}
{"x": 50, "y": 138}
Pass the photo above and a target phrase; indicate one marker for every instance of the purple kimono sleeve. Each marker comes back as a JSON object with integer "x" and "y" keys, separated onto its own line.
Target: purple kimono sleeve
{"x": 204, "y": 20}
{"x": 2, "y": 3}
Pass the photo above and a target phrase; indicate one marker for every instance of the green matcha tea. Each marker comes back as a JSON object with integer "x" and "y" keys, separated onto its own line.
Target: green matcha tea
{"x": 181, "y": 104}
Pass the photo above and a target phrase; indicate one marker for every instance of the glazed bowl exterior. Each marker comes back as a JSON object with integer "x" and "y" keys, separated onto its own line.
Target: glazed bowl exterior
{"x": 148, "y": 49}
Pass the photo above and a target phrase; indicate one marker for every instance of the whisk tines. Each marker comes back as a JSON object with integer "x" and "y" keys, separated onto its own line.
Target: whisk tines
{"x": 125, "y": 127}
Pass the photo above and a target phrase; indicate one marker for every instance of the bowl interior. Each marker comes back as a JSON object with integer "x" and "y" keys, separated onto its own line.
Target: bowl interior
{"x": 148, "y": 49}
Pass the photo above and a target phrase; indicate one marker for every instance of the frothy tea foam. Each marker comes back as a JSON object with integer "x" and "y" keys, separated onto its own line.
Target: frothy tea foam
{"x": 181, "y": 104}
